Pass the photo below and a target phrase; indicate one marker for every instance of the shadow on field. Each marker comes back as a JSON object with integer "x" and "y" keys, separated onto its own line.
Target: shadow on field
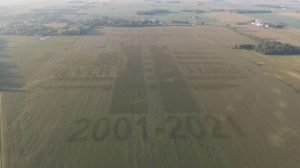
{"x": 10, "y": 80}
{"x": 3, "y": 51}
{"x": 97, "y": 31}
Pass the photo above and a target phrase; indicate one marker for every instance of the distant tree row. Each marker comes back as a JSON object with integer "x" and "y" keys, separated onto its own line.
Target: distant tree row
{"x": 153, "y": 12}
{"x": 193, "y": 10}
{"x": 28, "y": 30}
{"x": 245, "y": 11}
{"x": 183, "y": 22}
{"x": 74, "y": 28}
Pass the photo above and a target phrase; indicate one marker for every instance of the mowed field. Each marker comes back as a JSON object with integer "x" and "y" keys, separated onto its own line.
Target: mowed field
{"x": 163, "y": 97}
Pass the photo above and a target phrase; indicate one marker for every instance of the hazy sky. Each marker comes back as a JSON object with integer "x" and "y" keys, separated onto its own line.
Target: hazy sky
{"x": 28, "y": 2}
{"x": 41, "y": 2}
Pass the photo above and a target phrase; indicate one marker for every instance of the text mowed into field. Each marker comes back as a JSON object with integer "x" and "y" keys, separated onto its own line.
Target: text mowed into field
{"x": 163, "y": 97}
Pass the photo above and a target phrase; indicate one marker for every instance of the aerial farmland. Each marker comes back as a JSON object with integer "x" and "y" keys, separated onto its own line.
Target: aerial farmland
{"x": 174, "y": 90}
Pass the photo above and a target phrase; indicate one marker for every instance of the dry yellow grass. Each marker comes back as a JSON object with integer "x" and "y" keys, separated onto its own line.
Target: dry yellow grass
{"x": 294, "y": 74}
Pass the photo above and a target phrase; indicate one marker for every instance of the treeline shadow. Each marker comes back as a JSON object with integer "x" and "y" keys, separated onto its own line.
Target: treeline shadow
{"x": 96, "y": 31}
{"x": 10, "y": 80}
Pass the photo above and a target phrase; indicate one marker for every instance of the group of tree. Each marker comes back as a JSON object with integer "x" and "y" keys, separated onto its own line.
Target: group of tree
{"x": 277, "y": 48}
{"x": 245, "y": 46}
{"x": 272, "y": 48}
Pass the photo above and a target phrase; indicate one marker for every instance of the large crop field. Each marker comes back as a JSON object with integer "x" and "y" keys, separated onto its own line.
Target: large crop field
{"x": 160, "y": 97}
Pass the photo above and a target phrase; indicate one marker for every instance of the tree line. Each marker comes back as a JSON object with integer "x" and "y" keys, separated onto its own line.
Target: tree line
{"x": 74, "y": 28}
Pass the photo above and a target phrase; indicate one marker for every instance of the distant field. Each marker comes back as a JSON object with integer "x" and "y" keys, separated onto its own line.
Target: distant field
{"x": 56, "y": 25}
{"x": 290, "y": 35}
{"x": 230, "y": 18}
{"x": 163, "y": 97}
{"x": 128, "y": 10}
{"x": 291, "y": 14}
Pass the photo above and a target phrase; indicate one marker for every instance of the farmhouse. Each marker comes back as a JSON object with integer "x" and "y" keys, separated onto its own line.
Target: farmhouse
{"x": 260, "y": 23}
{"x": 44, "y": 38}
